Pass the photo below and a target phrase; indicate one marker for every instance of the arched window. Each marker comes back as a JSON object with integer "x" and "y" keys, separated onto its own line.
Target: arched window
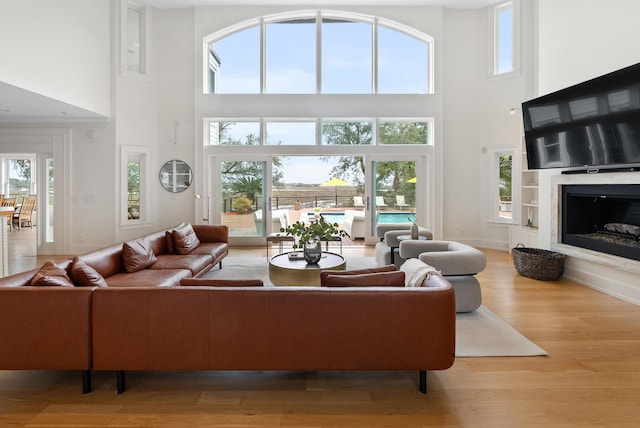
{"x": 319, "y": 52}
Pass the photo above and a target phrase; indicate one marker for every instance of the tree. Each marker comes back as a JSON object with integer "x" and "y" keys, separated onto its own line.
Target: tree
{"x": 234, "y": 169}
{"x": 506, "y": 169}
{"x": 350, "y": 168}
{"x": 247, "y": 186}
{"x": 358, "y": 133}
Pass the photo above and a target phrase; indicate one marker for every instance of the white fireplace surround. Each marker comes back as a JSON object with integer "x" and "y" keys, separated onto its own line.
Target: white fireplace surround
{"x": 613, "y": 275}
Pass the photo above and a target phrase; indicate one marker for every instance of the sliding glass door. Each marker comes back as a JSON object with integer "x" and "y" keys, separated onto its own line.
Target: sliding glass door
{"x": 242, "y": 186}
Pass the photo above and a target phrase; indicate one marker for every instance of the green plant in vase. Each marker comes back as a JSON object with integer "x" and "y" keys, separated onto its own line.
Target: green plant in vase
{"x": 309, "y": 236}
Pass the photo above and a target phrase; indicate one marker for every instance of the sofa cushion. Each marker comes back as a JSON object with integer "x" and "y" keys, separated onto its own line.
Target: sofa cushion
{"x": 149, "y": 278}
{"x": 204, "y": 282}
{"x": 84, "y": 275}
{"x": 195, "y": 263}
{"x": 381, "y": 279}
{"x": 137, "y": 255}
{"x": 51, "y": 275}
{"x": 325, "y": 273}
{"x": 185, "y": 239}
{"x": 214, "y": 249}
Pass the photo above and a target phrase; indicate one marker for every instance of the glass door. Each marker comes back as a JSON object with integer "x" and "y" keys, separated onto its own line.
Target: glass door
{"x": 242, "y": 204}
{"x": 393, "y": 189}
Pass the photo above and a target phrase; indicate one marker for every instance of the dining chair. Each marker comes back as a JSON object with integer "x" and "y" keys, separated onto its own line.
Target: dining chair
{"x": 23, "y": 217}
{"x": 8, "y": 202}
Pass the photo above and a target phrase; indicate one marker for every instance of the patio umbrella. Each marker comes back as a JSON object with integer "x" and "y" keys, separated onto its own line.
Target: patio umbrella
{"x": 335, "y": 182}
{"x": 411, "y": 180}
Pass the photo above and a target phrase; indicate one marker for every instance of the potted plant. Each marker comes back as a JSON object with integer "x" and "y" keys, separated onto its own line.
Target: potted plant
{"x": 309, "y": 236}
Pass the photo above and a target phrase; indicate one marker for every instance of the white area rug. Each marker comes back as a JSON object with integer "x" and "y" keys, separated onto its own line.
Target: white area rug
{"x": 478, "y": 334}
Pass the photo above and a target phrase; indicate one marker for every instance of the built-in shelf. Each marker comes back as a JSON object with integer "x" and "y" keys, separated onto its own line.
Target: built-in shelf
{"x": 525, "y": 231}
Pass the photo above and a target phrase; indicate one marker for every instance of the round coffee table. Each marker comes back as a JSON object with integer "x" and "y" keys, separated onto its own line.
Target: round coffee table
{"x": 284, "y": 271}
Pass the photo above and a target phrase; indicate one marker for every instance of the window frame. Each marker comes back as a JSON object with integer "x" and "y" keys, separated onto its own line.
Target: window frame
{"x": 494, "y": 180}
{"x": 144, "y": 38}
{"x": 143, "y": 153}
{"x": 319, "y": 15}
{"x": 494, "y": 38}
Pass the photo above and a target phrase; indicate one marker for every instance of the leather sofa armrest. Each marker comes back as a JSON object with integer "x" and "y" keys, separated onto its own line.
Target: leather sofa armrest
{"x": 211, "y": 233}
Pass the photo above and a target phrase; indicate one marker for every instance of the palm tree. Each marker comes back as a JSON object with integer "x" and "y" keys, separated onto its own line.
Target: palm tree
{"x": 247, "y": 186}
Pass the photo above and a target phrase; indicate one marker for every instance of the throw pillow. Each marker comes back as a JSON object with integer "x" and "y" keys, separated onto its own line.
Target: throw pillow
{"x": 85, "y": 276}
{"x": 185, "y": 239}
{"x": 380, "y": 279}
{"x": 137, "y": 255}
{"x": 416, "y": 271}
{"x": 325, "y": 273}
{"x": 171, "y": 249}
{"x": 51, "y": 275}
{"x": 221, "y": 282}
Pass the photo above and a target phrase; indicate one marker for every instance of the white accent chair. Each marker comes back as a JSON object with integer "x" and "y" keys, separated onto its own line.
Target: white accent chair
{"x": 353, "y": 223}
{"x": 458, "y": 263}
{"x": 388, "y": 234}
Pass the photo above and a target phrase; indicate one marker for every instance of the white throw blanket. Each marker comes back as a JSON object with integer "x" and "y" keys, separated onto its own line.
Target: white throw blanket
{"x": 416, "y": 271}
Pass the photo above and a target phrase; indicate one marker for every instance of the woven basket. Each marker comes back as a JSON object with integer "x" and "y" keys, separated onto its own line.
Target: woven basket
{"x": 537, "y": 263}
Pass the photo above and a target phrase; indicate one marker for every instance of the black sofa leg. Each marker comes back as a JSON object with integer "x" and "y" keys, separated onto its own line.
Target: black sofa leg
{"x": 86, "y": 381}
{"x": 120, "y": 382}
{"x": 423, "y": 382}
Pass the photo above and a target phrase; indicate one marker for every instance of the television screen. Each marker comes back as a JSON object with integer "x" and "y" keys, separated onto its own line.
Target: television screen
{"x": 589, "y": 125}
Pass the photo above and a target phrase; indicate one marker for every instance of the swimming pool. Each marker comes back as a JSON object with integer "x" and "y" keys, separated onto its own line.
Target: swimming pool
{"x": 383, "y": 217}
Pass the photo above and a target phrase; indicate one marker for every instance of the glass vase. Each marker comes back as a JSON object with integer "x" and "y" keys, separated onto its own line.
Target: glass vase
{"x": 312, "y": 251}
{"x": 414, "y": 231}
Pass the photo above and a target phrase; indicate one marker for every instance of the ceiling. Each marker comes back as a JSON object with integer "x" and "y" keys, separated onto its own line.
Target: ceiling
{"x": 455, "y": 4}
{"x": 20, "y": 105}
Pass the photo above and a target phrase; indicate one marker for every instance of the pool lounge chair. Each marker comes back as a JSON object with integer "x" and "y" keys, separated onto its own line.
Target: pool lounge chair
{"x": 358, "y": 202}
{"x": 400, "y": 202}
{"x": 380, "y": 202}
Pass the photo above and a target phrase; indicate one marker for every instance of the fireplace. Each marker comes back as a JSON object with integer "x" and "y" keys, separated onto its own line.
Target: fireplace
{"x": 602, "y": 217}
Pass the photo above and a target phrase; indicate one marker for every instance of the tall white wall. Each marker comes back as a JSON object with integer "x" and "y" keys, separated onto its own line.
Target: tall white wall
{"x": 582, "y": 39}
{"x": 477, "y": 123}
{"x": 175, "y": 74}
{"x": 60, "y": 49}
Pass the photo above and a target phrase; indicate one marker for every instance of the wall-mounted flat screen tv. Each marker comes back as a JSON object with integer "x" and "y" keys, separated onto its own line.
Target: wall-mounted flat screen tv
{"x": 591, "y": 125}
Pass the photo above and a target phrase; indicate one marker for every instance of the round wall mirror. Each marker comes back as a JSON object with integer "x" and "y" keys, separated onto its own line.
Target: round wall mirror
{"x": 175, "y": 176}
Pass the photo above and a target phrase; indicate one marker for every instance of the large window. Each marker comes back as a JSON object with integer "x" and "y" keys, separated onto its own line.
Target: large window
{"x": 503, "y": 182}
{"x": 247, "y": 132}
{"x": 504, "y": 36}
{"x": 316, "y": 52}
{"x": 134, "y": 199}
{"x": 135, "y": 36}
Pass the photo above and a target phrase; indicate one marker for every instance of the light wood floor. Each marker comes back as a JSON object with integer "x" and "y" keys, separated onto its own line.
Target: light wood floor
{"x": 590, "y": 378}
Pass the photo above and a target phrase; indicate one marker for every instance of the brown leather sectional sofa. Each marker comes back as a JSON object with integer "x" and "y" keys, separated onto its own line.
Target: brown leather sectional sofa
{"x": 49, "y": 327}
{"x": 205, "y": 327}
